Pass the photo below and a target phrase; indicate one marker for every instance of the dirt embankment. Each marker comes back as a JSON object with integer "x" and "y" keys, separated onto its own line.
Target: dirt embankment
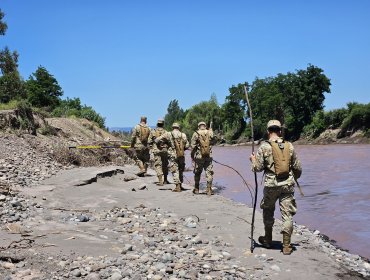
{"x": 33, "y": 148}
{"x": 334, "y": 136}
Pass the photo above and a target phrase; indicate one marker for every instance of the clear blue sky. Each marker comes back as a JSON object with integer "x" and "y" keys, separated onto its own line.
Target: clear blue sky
{"x": 130, "y": 58}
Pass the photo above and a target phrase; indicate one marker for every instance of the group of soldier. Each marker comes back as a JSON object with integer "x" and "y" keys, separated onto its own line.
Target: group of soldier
{"x": 168, "y": 149}
{"x": 276, "y": 157}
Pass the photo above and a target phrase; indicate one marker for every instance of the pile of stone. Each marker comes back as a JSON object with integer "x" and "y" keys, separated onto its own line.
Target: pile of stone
{"x": 21, "y": 164}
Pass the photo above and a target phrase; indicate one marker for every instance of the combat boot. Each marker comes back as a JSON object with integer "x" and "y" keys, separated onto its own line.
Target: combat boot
{"x": 266, "y": 241}
{"x": 209, "y": 189}
{"x": 160, "y": 180}
{"x": 178, "y": 188}
{"x": 142, "y": 171}
{"x": 196, "y": 188}
{"x": 287, "y": 248}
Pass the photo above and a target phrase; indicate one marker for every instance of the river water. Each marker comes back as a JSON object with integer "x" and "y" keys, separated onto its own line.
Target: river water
{"x": 335, "y": 181}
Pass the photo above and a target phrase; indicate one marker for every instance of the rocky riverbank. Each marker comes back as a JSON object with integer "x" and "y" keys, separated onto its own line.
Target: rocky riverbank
{"x": 107, "y": 223}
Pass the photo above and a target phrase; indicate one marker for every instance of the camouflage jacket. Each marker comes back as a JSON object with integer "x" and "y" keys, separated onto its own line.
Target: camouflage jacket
{"x": 154, "y": 134}
{"x": 265, "y": 162}
{"x": 195, "y": 143}
{"x": 136, "y": 136}
{"x": 168, "y": 139}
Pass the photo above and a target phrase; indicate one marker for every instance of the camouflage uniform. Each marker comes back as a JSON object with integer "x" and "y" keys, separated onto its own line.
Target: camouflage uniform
{"x": 160, "y": 154}
{"x": 277, "y": 189}
{"x": 176, "y": 164}
{"x": 202, "y": 163}
{"x": 142, "y": 156}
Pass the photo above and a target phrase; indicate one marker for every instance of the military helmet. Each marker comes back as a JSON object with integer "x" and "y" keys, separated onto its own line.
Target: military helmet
{"x": 272, "y": 123}
{"x": 201, "y": 123}
{"x": 175, "y": 125}
{"x": 160, "y": 121}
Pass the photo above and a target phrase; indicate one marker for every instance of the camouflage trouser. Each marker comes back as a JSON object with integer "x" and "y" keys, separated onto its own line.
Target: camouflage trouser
{"x": 288, "y": 206}
{"x": 206, "y": 164}
{"x": 142, "y": 156}
{"x": 161, "y": 163}
{"x": 177, "y": 167}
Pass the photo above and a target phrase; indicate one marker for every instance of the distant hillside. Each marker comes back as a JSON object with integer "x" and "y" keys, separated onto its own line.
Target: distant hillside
{"x": 123, "y": 129}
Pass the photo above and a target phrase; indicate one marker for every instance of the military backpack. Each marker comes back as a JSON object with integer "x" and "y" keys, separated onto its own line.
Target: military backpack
{"x": 158, "y": 133}
{"x": 144, "y": 134}
{"x": 281, "y": 156}
{"x": 179, "y": 145}
{"x": 204, "y": 143}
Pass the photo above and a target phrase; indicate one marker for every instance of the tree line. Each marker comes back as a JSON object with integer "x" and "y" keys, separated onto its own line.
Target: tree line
{"x": 40, "y": 91}
{"x": 296, "y": 99}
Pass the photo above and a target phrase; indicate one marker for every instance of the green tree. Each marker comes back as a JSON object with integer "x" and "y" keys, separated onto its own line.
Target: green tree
{"x": 90, "y": 114}
{"x": 11, "y": 83}
{"x": 174, "y": 114}
{"x": 292, "y": 98}
{"x": 207, "y": 111}
{"x": 72, "y": 107}
{"x": 233, "y": 112}
{"x": 68, "y": 107}
{"x": 43, "y": 89}
{"x": 358, "y": 118}
{"x": 334, "y": 118}
{"x": 3, "y": 25}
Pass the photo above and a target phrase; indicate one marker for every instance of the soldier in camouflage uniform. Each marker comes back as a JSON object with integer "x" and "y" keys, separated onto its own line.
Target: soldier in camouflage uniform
{"x": 277, "y": 187}
{"x": 202, "y": 161}
{"x": 177, "y": 144}
{"x": 139, "y": 141}
{"x": 159, "y": 152}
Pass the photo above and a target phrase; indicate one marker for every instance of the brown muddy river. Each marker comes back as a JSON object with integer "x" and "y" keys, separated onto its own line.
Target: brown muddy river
{"x": 335, "y": 181}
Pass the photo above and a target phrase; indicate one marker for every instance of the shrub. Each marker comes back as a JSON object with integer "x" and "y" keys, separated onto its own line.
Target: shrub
{"x": 358, "y": 118}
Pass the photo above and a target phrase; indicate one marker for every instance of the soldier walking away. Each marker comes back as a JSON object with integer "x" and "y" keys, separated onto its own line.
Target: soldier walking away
{"x": 201, "y": 154}
{"x": 139, "y": 141}
{"x": 278, "y": 159}
{"x": 177, "y": 144}
{"x": 160, "y": 152}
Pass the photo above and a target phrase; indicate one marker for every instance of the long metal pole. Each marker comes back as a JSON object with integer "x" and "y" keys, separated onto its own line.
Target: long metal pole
{"x": 255, "y": 174}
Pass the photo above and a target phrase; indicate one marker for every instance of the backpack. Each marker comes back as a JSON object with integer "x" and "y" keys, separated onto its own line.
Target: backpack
{"x": 144, "y": 134}
{"x": 158, "y": 133}
{"x": 179, "y": 146}
{"x": 204, "y": 141}
{"x": 281, "y": 156}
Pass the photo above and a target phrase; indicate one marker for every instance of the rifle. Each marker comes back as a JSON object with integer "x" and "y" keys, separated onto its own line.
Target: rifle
{"x": 255, "y": 174}
{"x": 299, "y": 187}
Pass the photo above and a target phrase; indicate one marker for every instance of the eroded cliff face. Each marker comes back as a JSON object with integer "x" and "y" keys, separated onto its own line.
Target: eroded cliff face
{"x": 22, "y": 120}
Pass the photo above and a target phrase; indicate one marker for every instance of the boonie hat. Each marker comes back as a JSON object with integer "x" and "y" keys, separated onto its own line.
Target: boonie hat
{"x": 272, "y": 123}
{"x": 160, "y": 121}
{"x": 201, "y": 123}
{"x": 175, "y": 125}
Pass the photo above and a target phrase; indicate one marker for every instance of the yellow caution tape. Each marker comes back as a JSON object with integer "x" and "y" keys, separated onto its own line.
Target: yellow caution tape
{"x": 100, "y": 147}
{"x": 88, "y": 147}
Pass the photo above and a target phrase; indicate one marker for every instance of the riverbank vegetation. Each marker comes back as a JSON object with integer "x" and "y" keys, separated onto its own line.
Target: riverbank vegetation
{"x": 295, "y": 98}
{"x": 41, "y": 91}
